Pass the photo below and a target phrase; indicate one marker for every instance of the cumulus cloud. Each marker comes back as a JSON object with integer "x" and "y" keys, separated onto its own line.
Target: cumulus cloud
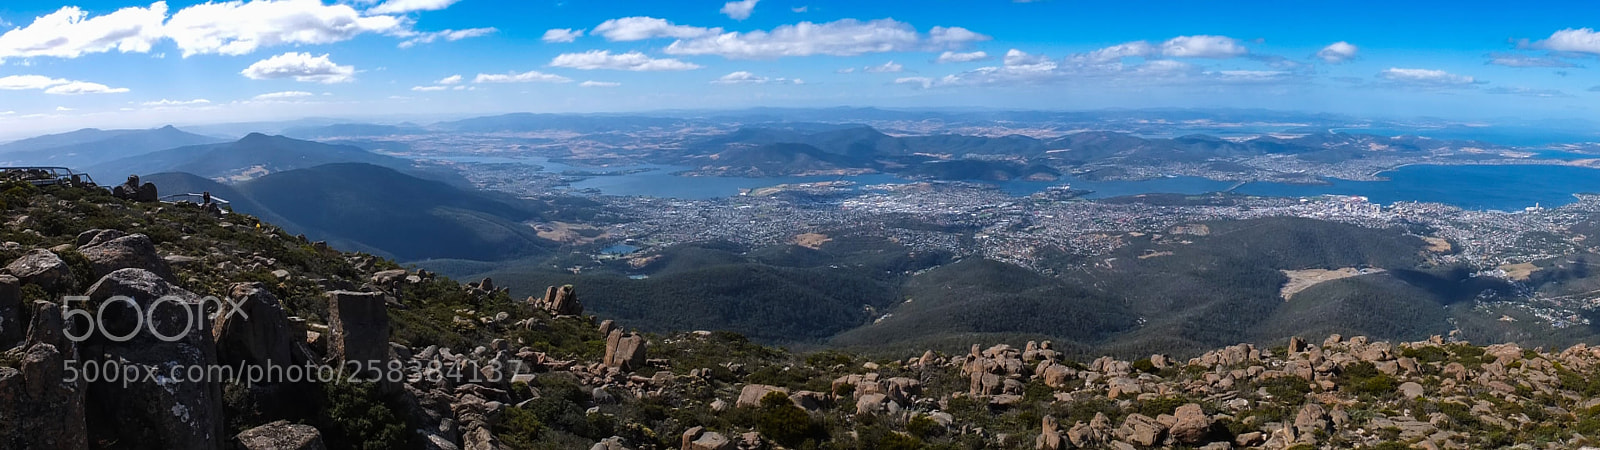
{"x": 845, "y": 37}
{"x": 58, "y": 86}
{"x": 743, "y": 77}
{"x": 405, "y": 6}
{"x": 70, "y": 32}
{"x": 562, "y": 35}
{"x": 300, "y": 66}
{"x": 429, "y": 37}
{"x": 1426, "y": 78}
{"x": 1520, "y": 60}
{"x": 453, "y": 79}
{"x": 739, "y": 9}
{"x": 83, "y": 87}
{"x": 1575, "y": 40}
{"x": 954, "y": 57}
{"x": 237, "y": 28}
{"x": 1337, "y": 52}
{"x": 524, "y": 77}
{"x": 888, "y": 67}
{"x": 604, "y": 59}
{"x": 429, "y": 88}
{"x": 601, "y": 84}
{"x": 641, "y": 28}
{"x": 282, "y": 95}
{"x": 1202, "y": 46}
{"x": 29, "y": 82}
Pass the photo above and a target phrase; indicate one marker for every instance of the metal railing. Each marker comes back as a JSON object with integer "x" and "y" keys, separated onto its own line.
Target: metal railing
{"x": 46, "y": 176}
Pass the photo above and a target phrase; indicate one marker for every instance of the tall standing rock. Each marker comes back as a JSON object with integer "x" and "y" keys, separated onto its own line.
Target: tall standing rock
{"x": 11, "y": 331}
{"x": 159, "y": 412}
{"x": 624, "y": 350}
{"x": 39, "y": 407}
{"x": 560, "y": 301}
{"x": 358, "y": 328}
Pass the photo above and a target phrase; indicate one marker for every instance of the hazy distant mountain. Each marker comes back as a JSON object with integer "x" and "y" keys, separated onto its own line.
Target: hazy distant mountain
{"x": 91, "y": 146}
{"x": 363, "y": 207}
{"x": 254, "y": 156}
{"x": 352, "y": 130}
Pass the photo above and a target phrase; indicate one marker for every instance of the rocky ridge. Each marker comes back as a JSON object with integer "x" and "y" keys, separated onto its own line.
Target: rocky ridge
{"x": 466, "y": 367}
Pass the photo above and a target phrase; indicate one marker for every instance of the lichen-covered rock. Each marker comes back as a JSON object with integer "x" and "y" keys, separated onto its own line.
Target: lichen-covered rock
{"x": 281, "y": 435}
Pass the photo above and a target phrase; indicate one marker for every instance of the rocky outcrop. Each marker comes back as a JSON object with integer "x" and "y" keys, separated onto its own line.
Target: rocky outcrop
{"x": 751, "y": 395}
{"x": 136, "y": 191}
{"x": 134, "y": 251}
{"x": 358, "y": 329}
{"x": 281, "y": 435}
{"x": 1050, "y": 437}
{"x": 41, "y": 267}
{"x": 39, "y": 406}
{"x": 252, "y": 328}
{"x": 560, "y": 301}
{"x": 154, "y": 411}
{"x": 698, "y": 438}
{"x": 1191, "y": 425}
{"x": 624, "y": 351}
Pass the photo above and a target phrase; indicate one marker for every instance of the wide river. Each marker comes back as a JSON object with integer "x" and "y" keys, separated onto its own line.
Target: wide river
{"x": 1482, "y": 187}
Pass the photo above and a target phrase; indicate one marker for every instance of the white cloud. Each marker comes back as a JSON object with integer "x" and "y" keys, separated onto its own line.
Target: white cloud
{"x": 63, "y": 108}
{"x": 405, "y": 6}
{"x": 165, "y": 102}
{"x": 525, "y": 77}
{"x": 800, "y": 9}
{"x": 453, "y": 79}
{"x": 604, "y": 59}
{"x": 429, "y": 88}
{"x": 1337, "y": 52}
{"x": 743, "y": 77}
{"x": 1426, "y": 77}
{"x": 888, "y": 67}
{"x": 284, "y": 95}
{"x": 846, "y": 37}
{"x": 70, "y": 33}
{"x": 592, "y": 83}
{"x": 953, "y": 57}
{"x": 641, "y": 28}
{"x": 1202, "y": 46}
{"x": 429, "y": 37}
{"x": 562, "y": 35}
{"x": 739, "y": 9}
{"x": 1115, "y": 53}
{"x": 29, "y": 82}
{"x": 237, "y": 27}
{"x": 56, "y": 86}
{"x": 954, "y": 36}
{"x": 300, "y": 67}
{"x": 1250, "y": 76}
{"x": 846, "y": 70}
{"x": 83, "y": 87}
{"x": 1577, "y": 40}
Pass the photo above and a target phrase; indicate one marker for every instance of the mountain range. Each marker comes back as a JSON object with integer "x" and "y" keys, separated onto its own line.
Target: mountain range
{"x": 378, "y": 210}
{"x": 89, "y": 146}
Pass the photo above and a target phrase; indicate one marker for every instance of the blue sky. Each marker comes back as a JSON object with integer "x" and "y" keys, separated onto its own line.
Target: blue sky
{"x": 117, "y": 64}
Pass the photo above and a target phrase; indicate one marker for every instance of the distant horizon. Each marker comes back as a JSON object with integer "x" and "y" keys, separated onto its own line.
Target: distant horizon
{"x": 8, "y": 134}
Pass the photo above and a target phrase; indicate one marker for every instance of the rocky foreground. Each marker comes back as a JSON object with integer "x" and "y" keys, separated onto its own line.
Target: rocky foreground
{"x": 438, "y": 365}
